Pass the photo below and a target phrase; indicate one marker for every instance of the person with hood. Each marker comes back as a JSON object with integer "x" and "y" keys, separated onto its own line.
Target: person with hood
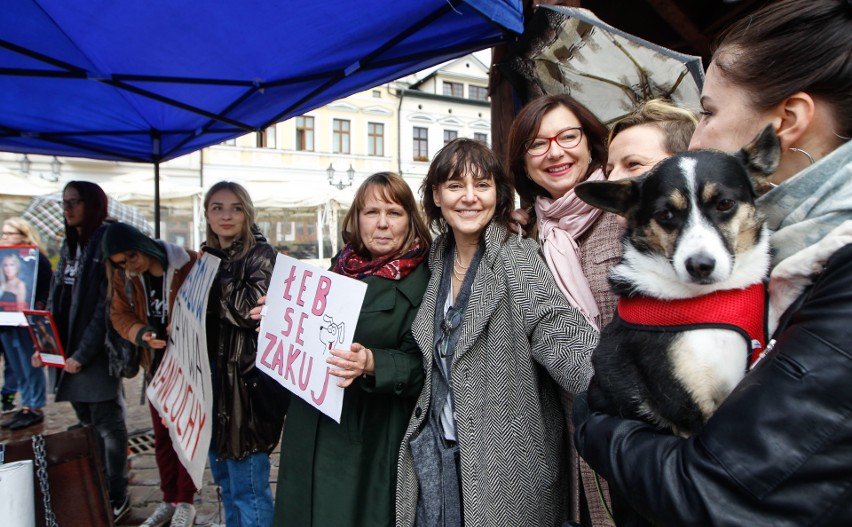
{"x": 247, "y": 423}
{"x": 144, "y": 278}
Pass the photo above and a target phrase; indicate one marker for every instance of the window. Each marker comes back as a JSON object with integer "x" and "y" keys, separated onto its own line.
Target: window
{"x": 449, "y": 135}
{"x": 340, "y": 138}
{"x": 477, "y": 93}
{"x": 375, "y": 139}
{"x": 421, "y": 144}
{"x": 230, "y": 142}
{"x": 377, "y": 94}
{"x": 266, "y": 138}
{"x": 482, "y": 138}
{"x": 453, "y": 89}
{"x": 305, "y": 133}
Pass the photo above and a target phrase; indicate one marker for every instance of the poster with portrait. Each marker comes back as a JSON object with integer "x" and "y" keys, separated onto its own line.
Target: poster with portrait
{"x": 45, "y": 337}
{"x": 18, "y": 275}
{"x": 308, "y": 311}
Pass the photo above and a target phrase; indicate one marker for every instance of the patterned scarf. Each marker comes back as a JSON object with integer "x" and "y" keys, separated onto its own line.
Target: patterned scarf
{"x": 393, "y": 267}
{"x": 806, "y": 207}
{"x": 560, "y": 222}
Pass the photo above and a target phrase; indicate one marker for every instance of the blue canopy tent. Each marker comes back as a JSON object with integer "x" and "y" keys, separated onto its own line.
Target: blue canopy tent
{"x": 151, "y": 81}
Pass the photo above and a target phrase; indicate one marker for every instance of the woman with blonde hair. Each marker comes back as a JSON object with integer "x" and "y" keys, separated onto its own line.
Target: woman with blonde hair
{"x": 16, "y": 341}
{"x": 652, "y": 133}
{"x": 244, "y": 433}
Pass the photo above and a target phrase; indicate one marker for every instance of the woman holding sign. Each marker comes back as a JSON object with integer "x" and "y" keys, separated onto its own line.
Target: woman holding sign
{"x": 144, "y": 277}
{"x": 244, "y": 431}
{"x": 485, "y": 442}
{"x": 345, "y": 474}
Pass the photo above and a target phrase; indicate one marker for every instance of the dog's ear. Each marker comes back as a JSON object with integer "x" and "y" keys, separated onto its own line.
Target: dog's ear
{"x": 760, "y": 158}
{"x": 611, "y": 196}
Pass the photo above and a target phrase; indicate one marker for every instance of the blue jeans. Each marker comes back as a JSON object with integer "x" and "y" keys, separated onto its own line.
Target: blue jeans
{"x": 10, "y": 384}
{"x": 245, "y": 489}
{"x": 18, "y": 347}
{"x": 108, "y": 419}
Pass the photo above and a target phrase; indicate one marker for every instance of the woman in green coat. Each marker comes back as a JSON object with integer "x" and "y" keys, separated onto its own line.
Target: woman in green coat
{"x": 345, "y": 474}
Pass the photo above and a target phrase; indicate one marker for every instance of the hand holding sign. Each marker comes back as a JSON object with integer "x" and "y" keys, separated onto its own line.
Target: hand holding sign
{"x": 308, "y": 313}
{"x": 352, "y": 364}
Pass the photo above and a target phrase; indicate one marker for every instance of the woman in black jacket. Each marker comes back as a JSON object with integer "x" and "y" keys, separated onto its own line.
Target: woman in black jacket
{"x": 243, "y": 433}
{"x": 777, "y": 452}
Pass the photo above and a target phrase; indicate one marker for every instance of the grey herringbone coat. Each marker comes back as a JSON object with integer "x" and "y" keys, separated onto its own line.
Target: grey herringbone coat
{"x": 518, "y": 334}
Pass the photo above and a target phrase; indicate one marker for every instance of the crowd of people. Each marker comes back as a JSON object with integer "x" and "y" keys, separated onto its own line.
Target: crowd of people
{"x": 464, "y": 386}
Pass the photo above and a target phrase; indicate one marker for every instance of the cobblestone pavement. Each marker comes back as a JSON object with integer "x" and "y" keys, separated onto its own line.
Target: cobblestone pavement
{"x": 145, "y": 492}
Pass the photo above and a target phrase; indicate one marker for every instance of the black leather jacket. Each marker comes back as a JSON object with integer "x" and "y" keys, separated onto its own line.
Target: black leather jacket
{"x": 241, "y": 428}
{"x": 777, "y": 452}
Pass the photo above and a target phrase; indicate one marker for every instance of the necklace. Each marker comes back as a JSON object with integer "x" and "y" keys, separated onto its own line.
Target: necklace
{"x": 456, "y": 261}
{"x": 456, "y": 273}
{"x": 461, "y": 271}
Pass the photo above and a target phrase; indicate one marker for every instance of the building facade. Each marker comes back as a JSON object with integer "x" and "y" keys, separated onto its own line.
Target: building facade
{"x": 301, "y": 173}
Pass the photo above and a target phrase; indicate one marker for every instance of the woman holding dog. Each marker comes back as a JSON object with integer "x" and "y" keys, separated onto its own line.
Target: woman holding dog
{"x": 345, "y": 474}
{"x": 777, "y": 450}
{"x": 485, "y": 443}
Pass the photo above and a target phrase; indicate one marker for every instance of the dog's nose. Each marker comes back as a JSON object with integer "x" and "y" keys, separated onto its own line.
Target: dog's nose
{"x": 700, "y": 266}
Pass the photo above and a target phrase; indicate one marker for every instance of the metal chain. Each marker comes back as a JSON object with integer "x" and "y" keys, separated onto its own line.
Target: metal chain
{"x": 41, "y": 471}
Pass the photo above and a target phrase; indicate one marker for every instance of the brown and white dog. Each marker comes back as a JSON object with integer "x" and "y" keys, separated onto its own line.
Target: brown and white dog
{"x": 692, "y": 307}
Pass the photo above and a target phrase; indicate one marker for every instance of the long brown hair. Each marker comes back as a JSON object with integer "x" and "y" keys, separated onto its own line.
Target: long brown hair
{"x": 95, "y": 212}
{"x": 393, "y": 189}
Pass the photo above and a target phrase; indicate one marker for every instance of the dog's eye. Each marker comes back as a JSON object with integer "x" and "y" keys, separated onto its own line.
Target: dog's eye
{"x": 724, "y": 205}
{"x": 663, "y": 216}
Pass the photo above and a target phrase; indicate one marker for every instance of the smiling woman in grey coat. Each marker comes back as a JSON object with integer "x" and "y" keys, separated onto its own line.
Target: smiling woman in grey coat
{"x": 484, "y": 445}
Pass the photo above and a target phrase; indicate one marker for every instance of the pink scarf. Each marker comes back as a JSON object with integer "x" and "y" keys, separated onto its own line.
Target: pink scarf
{"x": 560, "y": 223}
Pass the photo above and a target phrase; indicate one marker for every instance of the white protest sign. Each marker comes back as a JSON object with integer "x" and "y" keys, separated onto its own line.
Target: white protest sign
{"x": 181, "y": 390}
{"x": 308, "y": 311}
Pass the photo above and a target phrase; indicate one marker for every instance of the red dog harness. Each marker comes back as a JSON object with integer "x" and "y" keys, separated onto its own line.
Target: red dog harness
{"x": 742, "y": 310}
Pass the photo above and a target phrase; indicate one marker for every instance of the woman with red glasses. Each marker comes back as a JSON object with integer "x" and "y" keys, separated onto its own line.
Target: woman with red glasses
{"x": 556, "y": 143}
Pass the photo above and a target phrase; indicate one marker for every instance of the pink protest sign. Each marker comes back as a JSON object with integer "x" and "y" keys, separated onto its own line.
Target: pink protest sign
{"x": 308, "y": 311}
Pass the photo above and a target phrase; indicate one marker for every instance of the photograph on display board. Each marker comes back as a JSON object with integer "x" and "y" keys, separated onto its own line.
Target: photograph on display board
{"x": 18, "y": 275}
{"x": 45, "y": 337}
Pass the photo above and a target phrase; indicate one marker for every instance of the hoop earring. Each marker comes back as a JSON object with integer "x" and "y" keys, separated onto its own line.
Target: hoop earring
{"x": 799, "y": 150}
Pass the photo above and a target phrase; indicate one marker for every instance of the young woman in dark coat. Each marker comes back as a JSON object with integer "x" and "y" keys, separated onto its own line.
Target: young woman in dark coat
{"x": 243, "y": 433}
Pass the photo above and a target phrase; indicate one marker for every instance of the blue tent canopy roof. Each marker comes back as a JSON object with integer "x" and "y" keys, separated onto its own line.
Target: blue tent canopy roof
{"x": 150, "y": 81}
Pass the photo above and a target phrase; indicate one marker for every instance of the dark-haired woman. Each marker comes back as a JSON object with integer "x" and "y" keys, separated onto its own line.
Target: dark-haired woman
{"x": 777, "y": 451}
{"x": 485, "y": 444}
{"x": 345, "y": 474}
{"x": 76, "y": 301}
{"x": 555, "y": 143}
